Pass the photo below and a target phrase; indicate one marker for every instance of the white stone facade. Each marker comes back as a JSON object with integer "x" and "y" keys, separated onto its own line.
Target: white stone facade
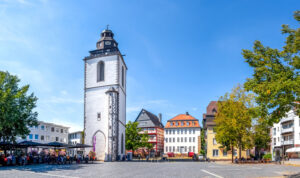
{"x": 97, "y": 103}
{"x": 47, "y": 132}
{"x": 285, "y": 134}
{"x": 181, "y": 140}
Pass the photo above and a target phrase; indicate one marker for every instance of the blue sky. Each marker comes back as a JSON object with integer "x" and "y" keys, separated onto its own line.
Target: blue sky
{"x": 180, "y": 54}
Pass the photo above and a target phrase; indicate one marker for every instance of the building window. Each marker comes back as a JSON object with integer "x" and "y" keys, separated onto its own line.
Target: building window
{"x": 224, "y": 153}
{"x": 193, "y": 139}
{"x": 173, "y": 148}
{"x": 185, "y": 139}
{"x": 47, "y": 138}
{"x": 190, "y": 131}
{"x": 166, "y": 140}
{"x": 181, "y": 139}
{"x": 123, "y": 76}
{"x": 177, "y": 131}
{"x": 170, "y": 148}
{"x": 214, "y": 141}
{"x": 56, "y": 139}
{"x": 185, "y": 148}
{"x": 30, "y": 136}
{"x": 185, "y": 131}
{"x": 193, "y": 131}
{"x": 166, "y": 149}
{"x": 188, "y": 123}
{"x": 98, "y": 116}
{"x": 274, "y": 141}
{"x": 36, "y": 137}
{"x": 181, "y": 123}
{"x": 61, "y": 130}
{"x": 190, "y": 148}
{"x": 174, "y": 131}
{"x": 181, "y": 131}
{"x": 178, "y": 139}
{"x": 43, "y": 127}
{"x": 171, "y": 123}
{"x": 215, "y": 153}
{"x": 57, "y": 129}
{"x": 194, "y": 149}
{"x": 42, "y": 137}
{"x": 177, "y": 149}
{"x": 36, "y": 127}
{"x": 100, "y": 71}
{"x": 166, "y": 132}
{"x": 173, "y": 139}
{"x": 170, "y": 139}
{"x": 274, "y": 131}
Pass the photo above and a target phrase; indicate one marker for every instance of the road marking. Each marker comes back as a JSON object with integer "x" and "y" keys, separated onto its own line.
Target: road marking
{"x": 53, "y": 175}
{"x": 211, "y": 173}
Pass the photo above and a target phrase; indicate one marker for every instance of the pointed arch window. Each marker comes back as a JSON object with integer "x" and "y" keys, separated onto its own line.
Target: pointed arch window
{"x": 100, "y": 71}
{"x": 123, "y": 76}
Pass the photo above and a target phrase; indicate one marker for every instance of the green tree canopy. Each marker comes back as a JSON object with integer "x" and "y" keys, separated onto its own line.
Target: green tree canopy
{"x": 16, "y": 108}
{"x": 134, "y": 139}
{"x": 234, "y": 120}
{"x": 276, "y": 80}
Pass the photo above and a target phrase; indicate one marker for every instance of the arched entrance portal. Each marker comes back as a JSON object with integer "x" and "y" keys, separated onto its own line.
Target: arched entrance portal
{"x": 99, "y": 144}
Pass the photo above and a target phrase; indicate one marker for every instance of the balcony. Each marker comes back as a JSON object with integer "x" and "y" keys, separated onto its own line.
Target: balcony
{"x": 287, "y": 142}
{"x": 287, "y": 130}
{"x": 286, "y": 119}
{"x": 152, "y": 139}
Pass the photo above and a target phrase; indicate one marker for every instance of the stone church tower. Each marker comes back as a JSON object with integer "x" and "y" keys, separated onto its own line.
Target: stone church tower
{"x": 105, "y": 99}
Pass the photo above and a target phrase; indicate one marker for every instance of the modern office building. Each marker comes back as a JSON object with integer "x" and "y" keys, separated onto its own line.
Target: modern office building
{"x": 182, "y": 134}
{"x": 213, "y": 150}
{"x": 47, "y": 132}
{"x": 76, "y": 138}
{"x": 151, "y": 124}
{"x": 286, "y": 137}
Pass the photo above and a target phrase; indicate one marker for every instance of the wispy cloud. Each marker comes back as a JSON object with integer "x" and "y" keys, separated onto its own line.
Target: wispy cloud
{"x": 62, "y": 100}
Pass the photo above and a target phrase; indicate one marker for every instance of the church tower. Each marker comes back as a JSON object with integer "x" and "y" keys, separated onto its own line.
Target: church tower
{"x": 105, "y": 99}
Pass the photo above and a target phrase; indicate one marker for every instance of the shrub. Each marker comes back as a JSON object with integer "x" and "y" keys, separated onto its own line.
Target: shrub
{"x": 267, "y": 156}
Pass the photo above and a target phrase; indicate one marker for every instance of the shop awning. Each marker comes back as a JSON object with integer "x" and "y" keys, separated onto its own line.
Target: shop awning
{"x": 292, "y": 150}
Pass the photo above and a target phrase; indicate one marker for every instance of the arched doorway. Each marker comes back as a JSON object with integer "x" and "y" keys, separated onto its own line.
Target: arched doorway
{"x": 99, "y": 144}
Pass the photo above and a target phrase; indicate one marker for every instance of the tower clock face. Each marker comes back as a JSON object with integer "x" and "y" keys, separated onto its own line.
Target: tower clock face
{"x": 107, "y": 42}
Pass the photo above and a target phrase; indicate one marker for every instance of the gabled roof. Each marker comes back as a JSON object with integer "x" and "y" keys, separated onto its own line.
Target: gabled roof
{"x": 145, "y": 115}
{"x": 181, "y": 117}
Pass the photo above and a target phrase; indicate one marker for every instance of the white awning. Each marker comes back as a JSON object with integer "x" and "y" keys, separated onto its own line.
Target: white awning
{"x": 294, "y": 149}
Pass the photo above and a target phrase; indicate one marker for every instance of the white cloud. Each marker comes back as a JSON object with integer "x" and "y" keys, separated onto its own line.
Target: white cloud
{"x": 73, "y": 126}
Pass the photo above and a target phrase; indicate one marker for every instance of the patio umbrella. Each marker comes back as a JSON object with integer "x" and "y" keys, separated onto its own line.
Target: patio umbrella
{"x": 79, "y": 145}
{"x": 29, "y": 144}
{"x": 56, "y": 144}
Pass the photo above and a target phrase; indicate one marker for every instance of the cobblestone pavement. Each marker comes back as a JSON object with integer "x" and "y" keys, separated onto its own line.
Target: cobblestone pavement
{"x": 148, "y": 169}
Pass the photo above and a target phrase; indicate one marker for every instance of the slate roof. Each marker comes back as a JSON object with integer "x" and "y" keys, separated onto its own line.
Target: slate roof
{"x": 150, "y": 116}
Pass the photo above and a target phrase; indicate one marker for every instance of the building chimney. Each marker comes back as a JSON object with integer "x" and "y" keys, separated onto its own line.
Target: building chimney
{"x": 159, "y": 117}
{"x": 187, "y": 113}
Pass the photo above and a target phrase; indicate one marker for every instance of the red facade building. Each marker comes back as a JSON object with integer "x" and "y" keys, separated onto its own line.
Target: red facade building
{"x": 151, "y": 124}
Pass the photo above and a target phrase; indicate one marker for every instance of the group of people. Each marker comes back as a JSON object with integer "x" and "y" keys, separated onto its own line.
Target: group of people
{"x": 24, "y": 159}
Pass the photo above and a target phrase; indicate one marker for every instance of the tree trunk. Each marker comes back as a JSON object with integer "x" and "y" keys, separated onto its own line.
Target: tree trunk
{"x": 232, "y": 154}
{"x": 240, "y": 152}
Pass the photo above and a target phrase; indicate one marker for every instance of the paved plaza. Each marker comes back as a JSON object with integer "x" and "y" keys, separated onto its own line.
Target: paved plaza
{"x": 147, "y": 169}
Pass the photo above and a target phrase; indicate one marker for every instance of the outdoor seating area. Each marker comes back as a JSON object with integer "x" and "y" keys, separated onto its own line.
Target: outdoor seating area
{"x": 28, "y": 152}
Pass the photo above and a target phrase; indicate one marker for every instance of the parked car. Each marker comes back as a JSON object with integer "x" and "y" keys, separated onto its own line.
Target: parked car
{"x": 171, "y": 154}
{"x": 190, "y": 154}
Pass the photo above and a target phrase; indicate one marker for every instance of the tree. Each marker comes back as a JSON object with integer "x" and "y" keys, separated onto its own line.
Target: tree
{"x": 134, "y": 139}
{"x": 16, "y": 108}
{"x": 276, "y": 80}
{"x": 203, "y": 144}
{"x": 233, "y": 120}
{"x": 261, "y": 135}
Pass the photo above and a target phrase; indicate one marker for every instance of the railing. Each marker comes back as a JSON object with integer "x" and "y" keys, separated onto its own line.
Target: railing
{"x": 286, "y": 119}
{"x": 152, "y": 140}
{"x": 287, "y": 130}
{"x": 151, "y": 131}
{"x": 287, "y": 142}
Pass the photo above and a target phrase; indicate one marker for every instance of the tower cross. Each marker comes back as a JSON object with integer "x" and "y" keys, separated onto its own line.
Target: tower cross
{"x": 107, "y": 26}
